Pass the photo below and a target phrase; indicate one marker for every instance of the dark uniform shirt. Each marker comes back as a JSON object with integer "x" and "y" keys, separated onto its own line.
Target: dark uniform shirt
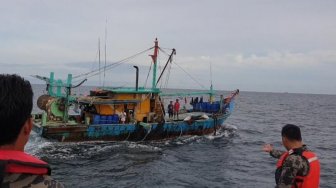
{"x": 294, "y": 165}
{"x": 170, "y": 108}
{"x": 28, "y": 180}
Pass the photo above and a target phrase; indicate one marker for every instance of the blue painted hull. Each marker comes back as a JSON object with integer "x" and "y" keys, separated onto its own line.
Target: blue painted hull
{"x": 134, "y": 132}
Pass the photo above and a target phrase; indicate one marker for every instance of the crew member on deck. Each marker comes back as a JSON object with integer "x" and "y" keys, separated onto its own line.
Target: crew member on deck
{"x": 123, "y": 117}
{"x": 297, "y": 167}
{"x": 176, "y": 109}
{"x": 17, "y": 168}
{"x": 170, "y": 109}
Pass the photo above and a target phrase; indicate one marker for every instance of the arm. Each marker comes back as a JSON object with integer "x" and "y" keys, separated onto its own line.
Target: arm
{"x": 290, "y": 168}
{"x": 274, "y": 153}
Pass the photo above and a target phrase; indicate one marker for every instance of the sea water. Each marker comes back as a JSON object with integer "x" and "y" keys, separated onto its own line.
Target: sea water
{"x": 231, "y": 158}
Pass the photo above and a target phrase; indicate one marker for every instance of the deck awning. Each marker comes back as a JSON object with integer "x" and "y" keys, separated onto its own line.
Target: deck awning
{"x": 108, "y": 101}
{"x": 125, "y": 90}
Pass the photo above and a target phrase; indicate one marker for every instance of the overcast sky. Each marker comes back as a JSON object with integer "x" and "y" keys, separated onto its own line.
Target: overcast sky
{"x": 253, "y": 45}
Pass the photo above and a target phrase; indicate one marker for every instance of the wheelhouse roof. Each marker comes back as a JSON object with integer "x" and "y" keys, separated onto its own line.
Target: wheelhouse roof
{"x": 126, "y": 90}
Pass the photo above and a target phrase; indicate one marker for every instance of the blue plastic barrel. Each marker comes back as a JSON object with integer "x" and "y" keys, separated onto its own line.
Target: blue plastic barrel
{"x": 96, "y": 119}
{"x": 198, "y": 106}
{"x": 217, "y": 106}
{"x": 203, "y": 107}
{"x": 103, "y": 119}
{"x": 109, "y": 119}
{"x": 115, "y": 118}
{"x": 212, "y": 107}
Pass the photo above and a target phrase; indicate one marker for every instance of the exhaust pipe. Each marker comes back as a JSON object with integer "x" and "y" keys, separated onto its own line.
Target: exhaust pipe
{"x": 137, "y": 78}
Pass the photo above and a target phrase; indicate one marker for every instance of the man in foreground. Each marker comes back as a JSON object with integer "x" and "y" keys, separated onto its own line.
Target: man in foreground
{"x": 297, "y": 167}
{"x": 18, "y": 169}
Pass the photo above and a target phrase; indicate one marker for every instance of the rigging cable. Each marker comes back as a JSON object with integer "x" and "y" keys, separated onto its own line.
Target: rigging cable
{"x": 110, "y": 66}
{"x": 150, "y": 68}
{"x": 159, "y": 68}
{"x": 190, "y": 76}
{"x": 94, "y": 73}
{"x": 167, "y": 76}
{"x": 170, "y": 59}
{"x": 161, "y": 49}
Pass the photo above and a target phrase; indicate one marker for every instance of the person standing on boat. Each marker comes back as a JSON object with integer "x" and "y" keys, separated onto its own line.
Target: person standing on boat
{"x": 123, "y": 117}
{"x": 176, "y": 109}
{"x": 297, "y": 167}
{"x": 17, "y": 168}
{"x": 170, "y": 109}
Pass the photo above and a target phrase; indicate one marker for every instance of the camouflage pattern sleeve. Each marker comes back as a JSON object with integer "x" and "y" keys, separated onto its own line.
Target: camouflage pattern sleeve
{"x": 292, "y": 166}
{"x": 28, "y": 180}
{"x": 276, "y": 153}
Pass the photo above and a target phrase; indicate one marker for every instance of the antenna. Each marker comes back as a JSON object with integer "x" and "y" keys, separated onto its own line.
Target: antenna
{"x": 105, "y": 51}
{"x": 211, "y": 87}
{"x": 99, "y": 60}
{"x": 211, "y": 73}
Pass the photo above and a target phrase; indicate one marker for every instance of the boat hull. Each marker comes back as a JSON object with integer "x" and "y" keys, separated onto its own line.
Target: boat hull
{"x": 131, "y": 132}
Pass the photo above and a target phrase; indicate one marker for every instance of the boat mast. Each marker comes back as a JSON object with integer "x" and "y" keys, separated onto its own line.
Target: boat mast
{"x": 211, "y": 87}
{"x": 105, "y": 52}
{"x": 154, "y": 57}
{"x": 99, "y": 61}
{"x": 170, "y": 59}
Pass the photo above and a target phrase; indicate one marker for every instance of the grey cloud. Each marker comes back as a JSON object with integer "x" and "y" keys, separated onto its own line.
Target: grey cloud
{"x": 62, "y": 36}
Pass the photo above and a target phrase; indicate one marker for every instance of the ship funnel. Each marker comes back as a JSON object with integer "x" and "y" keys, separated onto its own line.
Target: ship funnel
{"x": 137, "y": 78}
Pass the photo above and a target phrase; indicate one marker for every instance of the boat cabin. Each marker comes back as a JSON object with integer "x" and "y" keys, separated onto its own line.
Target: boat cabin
{"x": 122, "y": 105}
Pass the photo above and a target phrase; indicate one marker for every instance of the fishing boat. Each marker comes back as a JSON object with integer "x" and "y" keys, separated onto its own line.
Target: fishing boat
{"x": 126, "y": 113}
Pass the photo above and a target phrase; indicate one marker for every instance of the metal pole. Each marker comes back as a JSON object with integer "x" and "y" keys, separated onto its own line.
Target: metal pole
{"x": 137, "y": 78}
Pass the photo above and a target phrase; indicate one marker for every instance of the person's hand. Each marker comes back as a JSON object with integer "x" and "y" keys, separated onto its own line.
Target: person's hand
{"x": 267, "y": 148}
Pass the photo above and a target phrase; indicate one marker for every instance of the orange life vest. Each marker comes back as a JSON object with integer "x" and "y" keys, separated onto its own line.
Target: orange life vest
{"x": 19, "y": 162}
{"x": 312, "y": 179}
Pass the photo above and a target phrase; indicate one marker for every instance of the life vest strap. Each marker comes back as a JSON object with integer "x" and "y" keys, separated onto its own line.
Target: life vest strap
{"x": 20, "y": 162}
{"x": 14, "y": 166}
{"x": 312, "y": 159}
{"x": 298, "y": 180}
